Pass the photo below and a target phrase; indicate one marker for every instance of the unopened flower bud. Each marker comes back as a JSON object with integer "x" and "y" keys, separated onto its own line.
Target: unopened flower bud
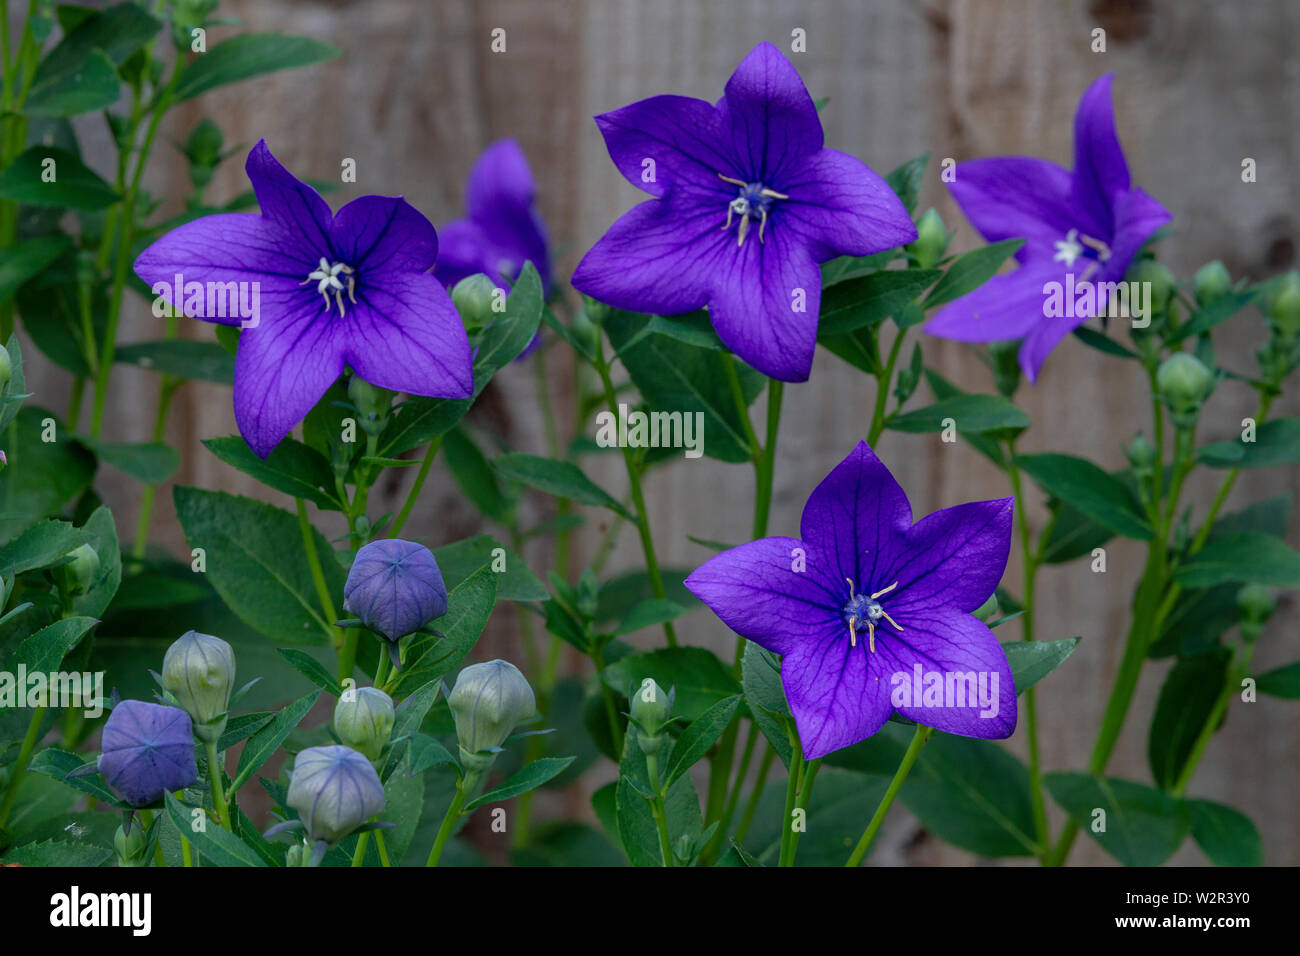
{"x": 1184, "y": 382}
{"x": 395, "y": 588}
{"x": 148, "y": 750}
{"x": 363, "y": 720}
{"x": 488, "y": 701}
{"x": 989, "y": 608}
{"x": 1212, "y": 282}
{"x": 1162, "y": 283}
{"x": 474, "y": 296}
{"x": 1255, "y": 605}
{"x": 199, "y": 672}
{"x": 6, "y": 367}
{"x": 80, "y": 573}
{"x": 294, "y": 856}
{"x": 931, "y": 239}
{"x": 1141, "y": 455}
{"x": 651, "y": 706}
{"x": 130, "y": 847}
{"x": 334, "y": 790}
{"x": 372, "y": 403}
{"x": 588, "y": 594}
{"x": 1284, "y": 307}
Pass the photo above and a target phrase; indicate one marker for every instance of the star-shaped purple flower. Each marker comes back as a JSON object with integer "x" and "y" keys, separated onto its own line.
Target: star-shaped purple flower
{"x": 871, "y": 612}
{"x": 147, "y": 750}
{"x": 747, "y": 203}
{"x": 395, "y": 588}
{"x": 1088, "y": 223}
{"x": 349, "y": 289}
{"x": 501, "y": 229}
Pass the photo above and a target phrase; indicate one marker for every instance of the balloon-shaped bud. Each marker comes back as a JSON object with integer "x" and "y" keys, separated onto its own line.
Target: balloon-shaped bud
{"x": 1184, "y": 382}
{"x": 474, "y": 297}
{"x": 488, "y": 701}
{"x": 363, "y": 720}
{"x": 372, "y": 403}
{"x": 334, "y": 790}
{"x": 395, "y": 588}
{"x": 1212, "y": 282}
{"x": 199, "y": 672}
{"x": 131, "y": 847}
{"x": 931, "y": 239}
{"x": 79, "y": 573}
{"x": 148, "y": 750}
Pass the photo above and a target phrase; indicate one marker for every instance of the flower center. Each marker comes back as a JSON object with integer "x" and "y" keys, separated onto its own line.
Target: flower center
{"x": 1076, "y": 245}
{"x": 327, "y": 279}
{"x": 753, "y": 201}
{"x": 864, "y": 610}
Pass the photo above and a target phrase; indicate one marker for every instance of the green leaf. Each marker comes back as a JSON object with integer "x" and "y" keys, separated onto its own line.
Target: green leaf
{"x": 426, "y": 752}
{"x": 700, "y": 679}
{"x": 971, "y": 414}
{"x": 469, "y": 605}
{"x": 1276, "y": 443}
{"x": 560, "y": 478}
{"x": 971, "y": 271}
{"x": 974, "y": 795}
{"x": 92, "y": 85}
{"x": 1188, "y": 696}
{"x": 68, "y": 182}
{"x": 649, "y": 614}
{"x": 15, "y": 390}
{"x": 1072, "y": 535}
{"x": 184, "y": 358}
{"x": 410, "y": 715}
{"x": 1270, "y": 516}
{"x": 292, "y": 467}
{"x": 530, "y": 777}
{"x": 57, "y": 853}
{"x": 247, "y": 55}
{"x": 1207, "y": 317}
{"x": 1102, "y": 343}
{"x": 45, "y": 650}
{"x": 765, "y": 697}
{"x": 906, "y": 180}
{"x": 1225, "y": 835}
{"x": 1092, "y": 491}
{"x": 869, "y": 300}
{"x": 256, "y": 561}
{"x": 41, "y": 476}
{"x": 460, "y": 559}
{"x": 263, "y": 744}
{"x": 117, "y": 32}
{"x": 672, "y": 374}
{"x": 215, "y": 844}
{"x": 102, "y": 531}
{"x": 841, "y": 806}
{"x": 241, "y": 727}
{"x": 1247, "y": 557}
{"x": 40, "y": 546}
{"x": 699, "y": 736}
{"x": 633, "y": 588}
{"x": 474, "y": 474}
{"x": 635, "y": 820}
{"x": 21, "y": 261}
{"x": 1143, "y": 827}
{"x": 1031, "y": 661}
{"x": 1282, "y": 682}
{"x": 312, "y": 669}
{"x": 150, "y": 463}
{"x": 59, "y": 763}
{"x": 986, "y": 445}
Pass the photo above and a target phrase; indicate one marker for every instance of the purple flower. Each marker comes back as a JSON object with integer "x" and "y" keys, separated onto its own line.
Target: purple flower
{"x": 1087, "y": 224}
{"x": 334, "y": 790}
{"x": 395, "y": 588}
{"x": 314, "y": 293}
{"x": 147, "y": 750}
{"x": 872, "y": 612}
{"x": 747, "y": 203}
{"x": 501, "y": 229}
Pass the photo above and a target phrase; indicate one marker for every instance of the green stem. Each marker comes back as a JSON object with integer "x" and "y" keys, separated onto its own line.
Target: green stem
{"x": 30, "y": 740}
{"x": 792, "y": 785}
{"x": 187, "y": 856}
{"x": 463, "y": 786}
{"x": 883, "y": 381}
{"x": 1211, "y": 726}
{"x": 218, "y": 785}
{"x": 657, "y": 809}
{"x": 729, "y": 810}
{"x": 400, "y": 521}
{"x": 146, "y": 821}
{"x": 359, "y": 855}
{"x": 342, "y": 641}
{"x": 611, "y": 712}
{"x": 919, "y": 738}
{"x": 755, "y": 795}
{"x": 801, "y": 801}
{"x": 165, "y": 392}
{"x": 382, "y": 847}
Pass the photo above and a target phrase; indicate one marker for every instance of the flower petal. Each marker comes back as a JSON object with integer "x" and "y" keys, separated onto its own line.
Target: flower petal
{"x": 1004, "y": 308}
{"x": 220, "y": 249}
{"x": 1018, "y": 197}
{"x": 954, "y": 558}
{"x": 289, "y": 203}
{"x": 962, "y": 651}
{"x": 463, "y": 251}
{"x": 500, "y": 199}
{"x": 283, "y": 367}
{"x": 768, "y": 118}
{"x": 765, "y": 300}
{"x": 659, "y": 257}
{"x": 838, "y": 693}
{"x": 841, "y": 207}
{"x": 1042, "y": 339}
{"x": 1100, "y": 170}
{"x": 404, "y": 334}
{"x": 756, "y": 591}
{"x": 377, "y": 234}
{"x": 1137, "y": 217}
{"x": 856, "y": 519}
{"x": 680, "y": 134}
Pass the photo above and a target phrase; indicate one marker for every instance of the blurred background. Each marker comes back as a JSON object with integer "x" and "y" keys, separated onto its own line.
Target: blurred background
{"x": 418, "y": 94}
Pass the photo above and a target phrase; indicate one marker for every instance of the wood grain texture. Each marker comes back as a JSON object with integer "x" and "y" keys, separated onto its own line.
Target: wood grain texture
{"x": 1199, "y": 86}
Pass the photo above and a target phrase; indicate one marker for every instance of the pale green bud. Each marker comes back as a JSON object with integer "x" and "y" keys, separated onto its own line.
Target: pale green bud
{"x": 1284, "y": 307}
{"x": 988, "y": 609}
{"x": 199, "y": 672}
{"x": 6, "y": 367}
{"x": 363, "y": 720}
{"x": 931, "y": 239}
{"x": 474, "y": 296}
{"x": 1184, "y": 382}
{"x": 79, "y": 574}
{"x": 1255, "y": 605}
{"x": 1212, "y": 282}
{"x": 131, "y": 848}
{"x": 372, "y": 404}
{"x": 488, "y": 701}
{"x": 651, "y": 706}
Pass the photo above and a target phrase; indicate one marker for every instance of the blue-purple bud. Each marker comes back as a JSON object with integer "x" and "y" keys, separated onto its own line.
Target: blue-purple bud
{"x": 488, "y": 701}
{"x": 334, "y": 790}
{"x": 148, "y": 750}
{"x": 199, "y": 672}
{"x": 395, "y": 588}
{"x": 363, "y": 720}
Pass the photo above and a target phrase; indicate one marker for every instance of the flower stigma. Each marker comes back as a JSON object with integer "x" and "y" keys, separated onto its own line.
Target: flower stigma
{"x": 753, "y": 202}
{"x": 1072, "y": 247}
{"x": 863, "y": 609}
{"x": 326, "y": 277}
